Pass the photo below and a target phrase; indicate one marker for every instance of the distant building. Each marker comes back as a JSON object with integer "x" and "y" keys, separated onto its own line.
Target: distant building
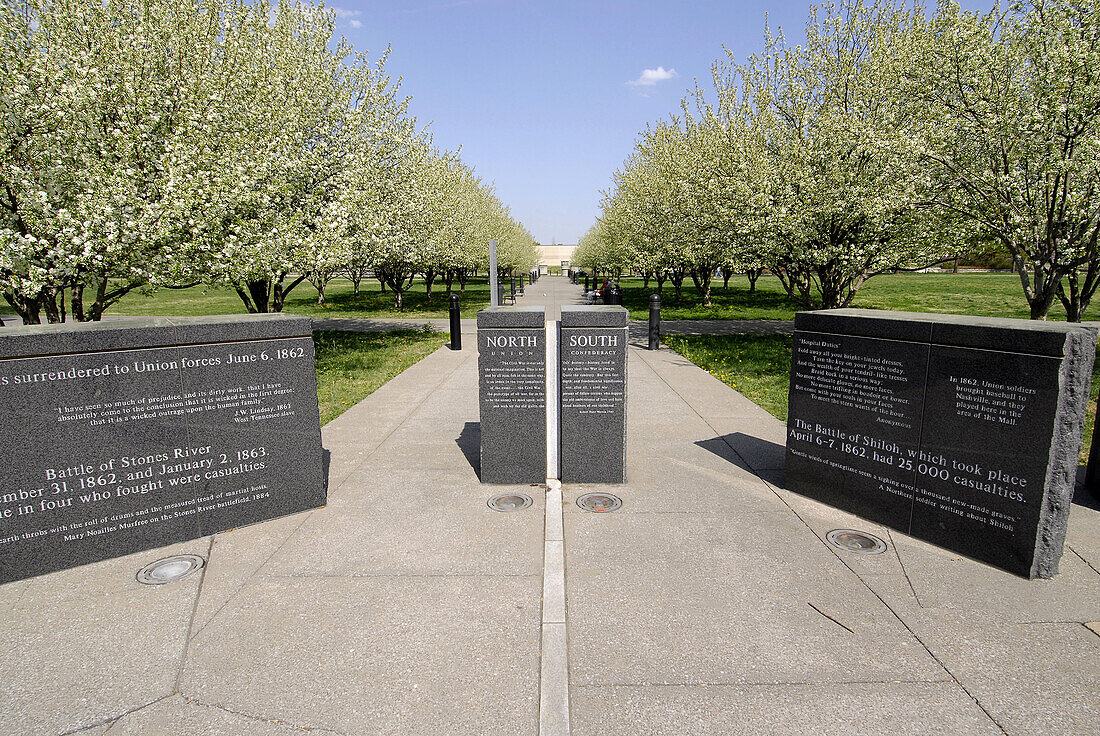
{"x": 553, "y": 255}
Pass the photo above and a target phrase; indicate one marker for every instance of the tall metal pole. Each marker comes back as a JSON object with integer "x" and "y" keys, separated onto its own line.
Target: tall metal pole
{"x": 494, "y": 299}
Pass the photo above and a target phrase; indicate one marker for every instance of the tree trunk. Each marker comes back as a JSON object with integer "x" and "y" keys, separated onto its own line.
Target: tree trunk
{"x": 1080, "y": 293}
{"x": 677, "y": 277}
{"x": 429, "y": 279}
{"x": 266, "y": 295}
{"x": 29, "y": 309}
{"x": 1039, "y": 289}
{"x": 753, "y": 274}
{"x": 704, "y": 282}
{"x": 399, "y": 285}
{"x": 660, "y": 276}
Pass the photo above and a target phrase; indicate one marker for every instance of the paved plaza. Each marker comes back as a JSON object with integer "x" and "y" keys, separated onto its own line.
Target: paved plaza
{"x": 709, "y": 604}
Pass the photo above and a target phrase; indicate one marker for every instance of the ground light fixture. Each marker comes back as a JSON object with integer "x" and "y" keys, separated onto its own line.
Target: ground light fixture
{"x": 599, "y": 502}
{"x": 510, "y": 502}
{"x": 170, "y": 569}
{"x": 856, "y": 541}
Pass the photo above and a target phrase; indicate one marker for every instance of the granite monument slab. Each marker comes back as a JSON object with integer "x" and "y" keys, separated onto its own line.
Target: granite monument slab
{"x": 961, "y": 431}
{"x": 592, "y": 359}
{"x": 511, "y": 360}
{"x": 124, "y": 438}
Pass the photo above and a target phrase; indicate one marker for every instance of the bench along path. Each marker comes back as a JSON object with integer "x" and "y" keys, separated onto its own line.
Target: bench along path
{"x": 708, "y": 604}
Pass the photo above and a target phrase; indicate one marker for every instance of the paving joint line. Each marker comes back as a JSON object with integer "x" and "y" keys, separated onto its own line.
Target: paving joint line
{"x": 788, "y": 683}
{"x": 191, "y": 618}
{"x": 110, "y": 722}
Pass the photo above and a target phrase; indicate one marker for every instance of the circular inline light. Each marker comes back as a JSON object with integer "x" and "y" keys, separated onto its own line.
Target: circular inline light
{"x": 599, "y": 502}
{"x": 170, "y": 569}
{"x": 510, "y": 502}
{"x": 855, "y": 541}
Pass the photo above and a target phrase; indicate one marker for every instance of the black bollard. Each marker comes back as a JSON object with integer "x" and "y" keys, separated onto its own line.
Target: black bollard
{"x": 513, "y": 279}
{"x": 521, "y": 284}
{"x": 456, "y": 324}
{"x": 586, "y": 283}
{"x": 654, "y": 321}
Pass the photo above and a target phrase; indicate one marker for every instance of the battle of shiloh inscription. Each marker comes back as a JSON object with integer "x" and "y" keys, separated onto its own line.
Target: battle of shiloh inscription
{"x": 961, "y": 431}
{"x": 125, "y": 438}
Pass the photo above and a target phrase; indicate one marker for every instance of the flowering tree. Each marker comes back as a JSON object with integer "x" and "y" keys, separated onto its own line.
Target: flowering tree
{"x": 236, "y": 143}
{"x": 1013, "y": 140}
{"x": 102, "y": 175}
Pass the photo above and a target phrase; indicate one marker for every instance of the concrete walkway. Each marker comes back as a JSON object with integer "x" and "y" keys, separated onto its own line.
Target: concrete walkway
{"x": 709, "y": 604}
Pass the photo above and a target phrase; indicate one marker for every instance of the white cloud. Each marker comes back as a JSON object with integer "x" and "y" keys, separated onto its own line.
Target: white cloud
{"x": 355, "y": 23}
{"x": 650, "y": 77}
{"x": 345, "y": 12}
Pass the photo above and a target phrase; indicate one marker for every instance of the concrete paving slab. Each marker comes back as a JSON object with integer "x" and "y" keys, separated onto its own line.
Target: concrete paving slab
{"x": 396, "y": 655}
{"x": 723, "y": 599}
{"x": 700, "y": 487}
{"x": 179, "y": 716}
{"x": 84, "y": 652}
{"x": 759, "y": 443}
{"x": 1033, "y": 679}
{"x": 1083, "y": 535}
{"x": 452, "y": 533}
{"x": 945, "y": 580}
{"x": 705, "y": 394}
{"x": 235, "y": 557}
{"x": 384, "y": 617}
{"x": 884, "y": 709}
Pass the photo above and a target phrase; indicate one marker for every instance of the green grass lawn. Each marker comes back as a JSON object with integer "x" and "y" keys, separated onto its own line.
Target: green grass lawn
{"x": 340, "y": 301}
{"x": 352, "y": 365}
{"x": 759, "y": 367}
{"x": 756, "y": 365}
{"x": 986, "y": 294}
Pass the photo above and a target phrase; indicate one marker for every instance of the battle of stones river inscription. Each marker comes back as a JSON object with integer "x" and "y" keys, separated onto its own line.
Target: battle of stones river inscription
{"x": 123, "y": 450}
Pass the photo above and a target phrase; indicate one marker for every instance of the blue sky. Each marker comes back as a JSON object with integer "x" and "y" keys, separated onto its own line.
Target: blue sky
{"x": 546, "y": 98}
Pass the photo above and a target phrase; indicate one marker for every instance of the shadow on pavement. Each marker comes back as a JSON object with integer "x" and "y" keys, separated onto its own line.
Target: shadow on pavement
{"x": 1083, "y": 496}
{"x": 751, "y": 453}
{"x": 470, "y": 444}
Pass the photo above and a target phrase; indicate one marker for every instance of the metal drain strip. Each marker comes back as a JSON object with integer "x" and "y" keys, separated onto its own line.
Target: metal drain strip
{"x": 554, "y": 665}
